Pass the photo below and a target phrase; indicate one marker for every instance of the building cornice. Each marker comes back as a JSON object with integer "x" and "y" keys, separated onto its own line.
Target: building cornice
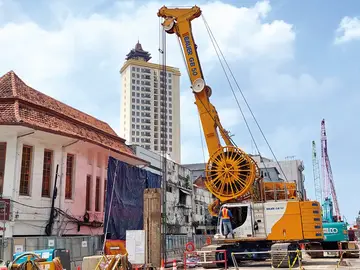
{"x": 141, "y": 63}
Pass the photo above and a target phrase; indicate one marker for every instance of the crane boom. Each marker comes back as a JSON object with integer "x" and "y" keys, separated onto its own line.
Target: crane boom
{"x": 316, "y": 172}
{"x": 329, "y": 187}
{"x": 208, "y": 115}
{"x": 230, "y": 172}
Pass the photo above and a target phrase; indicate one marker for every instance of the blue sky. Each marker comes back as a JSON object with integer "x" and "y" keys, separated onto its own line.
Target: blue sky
{"x": 296, "y": 61}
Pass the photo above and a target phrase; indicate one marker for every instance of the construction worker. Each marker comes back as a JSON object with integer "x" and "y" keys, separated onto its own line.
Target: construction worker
{"x": 225, "y": 215}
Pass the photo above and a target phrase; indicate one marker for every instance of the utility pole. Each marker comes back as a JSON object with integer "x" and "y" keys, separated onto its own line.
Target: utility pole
{"x": 3, "y": 209}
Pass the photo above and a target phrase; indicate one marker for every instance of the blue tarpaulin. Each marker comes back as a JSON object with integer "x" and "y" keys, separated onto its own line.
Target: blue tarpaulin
{"x": 127, "y": 203}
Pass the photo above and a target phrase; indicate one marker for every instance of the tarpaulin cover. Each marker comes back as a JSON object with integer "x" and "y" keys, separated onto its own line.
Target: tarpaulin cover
{"x": 127, "y": 202}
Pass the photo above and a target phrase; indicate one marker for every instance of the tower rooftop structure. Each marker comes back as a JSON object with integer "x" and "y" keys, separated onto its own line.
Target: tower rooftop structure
{"x": 138, "y": 53}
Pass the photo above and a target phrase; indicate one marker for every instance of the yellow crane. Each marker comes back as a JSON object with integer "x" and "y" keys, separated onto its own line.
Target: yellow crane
{"x": 230, "y": 171}
{"x": 276, "y": 218}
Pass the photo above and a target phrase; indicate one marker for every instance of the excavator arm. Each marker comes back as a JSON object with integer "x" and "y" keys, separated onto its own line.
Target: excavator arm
{"x": 230, "y": 172}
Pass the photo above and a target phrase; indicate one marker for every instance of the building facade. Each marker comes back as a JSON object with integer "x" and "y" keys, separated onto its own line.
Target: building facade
{"x": 203, "y": 222}
{"x": 179, "y": 192}
{"x": 150, "y": 104}
{"x": 43, "y": 142}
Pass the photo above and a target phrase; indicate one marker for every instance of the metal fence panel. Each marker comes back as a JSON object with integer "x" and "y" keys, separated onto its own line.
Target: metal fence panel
{"x": 175, "y": 245}
{"x": 74, "y": 244}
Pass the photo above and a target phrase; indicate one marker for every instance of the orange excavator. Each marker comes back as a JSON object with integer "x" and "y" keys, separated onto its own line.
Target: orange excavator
{"x": 266, "y": 216}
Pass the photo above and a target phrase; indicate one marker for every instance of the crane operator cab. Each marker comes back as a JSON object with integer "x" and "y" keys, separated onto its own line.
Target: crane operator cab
{"x": 242, "y": 221}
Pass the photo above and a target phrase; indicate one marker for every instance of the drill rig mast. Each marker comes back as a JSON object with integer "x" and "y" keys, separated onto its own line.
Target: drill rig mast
{"x": 230, "y": 172}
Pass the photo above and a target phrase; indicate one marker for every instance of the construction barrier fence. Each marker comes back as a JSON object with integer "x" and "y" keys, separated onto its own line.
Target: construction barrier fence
{"x": 175, "y": 244}
{"x": 203, "y": 259}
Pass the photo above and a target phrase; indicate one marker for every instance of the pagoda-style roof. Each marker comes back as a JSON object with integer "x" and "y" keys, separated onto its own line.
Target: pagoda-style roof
{"x": 138, "y": 53}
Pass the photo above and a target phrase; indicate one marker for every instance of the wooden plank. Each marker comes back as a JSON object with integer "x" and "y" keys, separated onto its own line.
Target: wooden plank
{"x": 152, "y": 226}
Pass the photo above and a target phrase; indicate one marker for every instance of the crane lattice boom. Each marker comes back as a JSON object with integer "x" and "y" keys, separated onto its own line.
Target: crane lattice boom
{"x": 316, "y": 172}
{"x": 329, "y": 187}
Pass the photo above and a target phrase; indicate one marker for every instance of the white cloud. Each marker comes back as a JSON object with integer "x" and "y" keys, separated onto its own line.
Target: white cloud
{"x": 278, "y": 86}
{"x": 59, "y": 51}
{"x": 348, "y": 30}
{"x": 79, "y": 60}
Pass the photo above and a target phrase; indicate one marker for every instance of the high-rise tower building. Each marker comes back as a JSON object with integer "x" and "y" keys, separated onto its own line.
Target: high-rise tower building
{"x": 145, "y": 105}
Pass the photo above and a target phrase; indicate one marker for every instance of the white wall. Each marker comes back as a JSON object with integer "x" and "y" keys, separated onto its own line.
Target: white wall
{"x": 125, "y": 108}
{"x": 202, "y": 199}
{"x": 30, "y": 213}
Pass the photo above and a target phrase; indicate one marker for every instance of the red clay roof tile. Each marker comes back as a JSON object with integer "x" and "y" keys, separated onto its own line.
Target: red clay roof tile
{"x": 7, "y": 112}
{"x": 21, "y": 104}
{"x": 12, "y": 86}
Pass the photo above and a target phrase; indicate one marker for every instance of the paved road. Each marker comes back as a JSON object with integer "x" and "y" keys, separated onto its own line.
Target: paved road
{"x": 308, "y": 264}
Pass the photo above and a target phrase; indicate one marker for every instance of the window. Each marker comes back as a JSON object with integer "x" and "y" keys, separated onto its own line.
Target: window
{"x": 47, "y": 169}
{"x": 97, "y": 195}
{"x": 69, "y": 176}
{"x": 88, "y": 192}
{"x": 25, "y": 170}
{"x": 105, "y": 183}
{"x": 182, "y": 197}
{"x": 2, "y": 165}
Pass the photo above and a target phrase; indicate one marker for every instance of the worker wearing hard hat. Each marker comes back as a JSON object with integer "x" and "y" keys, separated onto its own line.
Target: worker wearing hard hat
{"x": 225, "y": 215}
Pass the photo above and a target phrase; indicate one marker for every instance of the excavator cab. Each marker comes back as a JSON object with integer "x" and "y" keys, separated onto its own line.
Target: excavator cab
{"x": 241, "y": 221}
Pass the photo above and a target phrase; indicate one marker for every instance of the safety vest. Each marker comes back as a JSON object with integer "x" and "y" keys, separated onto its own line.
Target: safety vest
{"x": 225, "y": 214}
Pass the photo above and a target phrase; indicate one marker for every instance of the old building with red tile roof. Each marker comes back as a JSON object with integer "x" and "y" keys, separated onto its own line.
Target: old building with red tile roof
{"x": 28, "y": 107}
{"x": 37, "y": 133}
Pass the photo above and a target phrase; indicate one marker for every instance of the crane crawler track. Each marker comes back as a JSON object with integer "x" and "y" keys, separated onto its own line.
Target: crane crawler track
{"x": 230, "y": 173}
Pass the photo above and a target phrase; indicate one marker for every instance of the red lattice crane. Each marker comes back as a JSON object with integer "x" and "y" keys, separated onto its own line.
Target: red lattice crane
{"x": 328, "y": 186}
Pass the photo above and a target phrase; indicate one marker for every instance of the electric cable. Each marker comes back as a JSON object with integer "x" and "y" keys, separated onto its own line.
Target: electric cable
{"x": 213, "y": 40}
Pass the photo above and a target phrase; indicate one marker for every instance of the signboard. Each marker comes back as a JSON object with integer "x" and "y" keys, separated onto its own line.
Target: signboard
{"x": 4, "y": 209}
{"x": 135, "y": 246}
{"x": 19, "y": 248}
{"x": 331, "y": 230}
